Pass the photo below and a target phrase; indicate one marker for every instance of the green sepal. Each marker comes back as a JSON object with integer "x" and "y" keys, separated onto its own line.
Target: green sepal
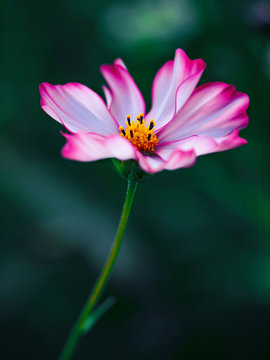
{"x": 130, "y": 170}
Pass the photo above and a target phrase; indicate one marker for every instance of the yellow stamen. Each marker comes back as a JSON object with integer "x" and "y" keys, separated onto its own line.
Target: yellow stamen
{"x": 128, "y": 119}
{"x": 122, "y": 130}
{"x": 152, "y": 124}
{"x": 140, "y": 134}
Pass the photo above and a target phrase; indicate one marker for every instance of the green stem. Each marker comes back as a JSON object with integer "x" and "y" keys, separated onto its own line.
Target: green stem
{"x": 94, "y": 296}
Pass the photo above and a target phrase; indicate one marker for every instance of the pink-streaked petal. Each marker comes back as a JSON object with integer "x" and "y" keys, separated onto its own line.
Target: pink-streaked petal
{"x": 77, "y": 107}
{"x": 108, "y": 96}
{"x": 120, "y": 62}
{"x": 214, "y": 109}
{"x": 180, "y": 75}
{"x": 91, "y": 147}
{"x": 150, "y": 164}
{"x": 199, "y": 144}
{"x": 202, "y": 145}
{"x": 126, "y": 97}
{"x": 230, "y": 141}
{"x": 173, "y": 160}
{"x": 180, "y": 159}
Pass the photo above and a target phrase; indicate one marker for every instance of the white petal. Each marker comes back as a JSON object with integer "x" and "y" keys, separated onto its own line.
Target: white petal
{"x": 77, "y": 107}
{"x": 126, "y": 97}
{"x": 182, "y": 74}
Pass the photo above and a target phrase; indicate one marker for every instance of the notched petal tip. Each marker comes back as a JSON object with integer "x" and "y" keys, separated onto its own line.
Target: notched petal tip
{"x": 179, "y": 76}
{"x": 181, "y": 55}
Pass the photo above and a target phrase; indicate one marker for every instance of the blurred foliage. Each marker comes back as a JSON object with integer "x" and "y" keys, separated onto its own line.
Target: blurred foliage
{"x": 193, "y": 277}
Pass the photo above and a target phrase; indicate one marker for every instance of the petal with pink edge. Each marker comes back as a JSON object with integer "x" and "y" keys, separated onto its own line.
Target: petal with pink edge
{"x": 77, "y": 107}
{"x": 174, "y": 160}
{"x": 202, "y": 145}
{"x": 230, "y": 141}
{"x": 126, "y": 97}
{"x": 91, "y": 147}
{"x": 120, "y": 62}
{"x": 182, "y": 74}
{"x": 214, "y": 109}
{"x": 149, "y": 164}
{"x": 108, "y": 95}
{"x": 180, "y": 159}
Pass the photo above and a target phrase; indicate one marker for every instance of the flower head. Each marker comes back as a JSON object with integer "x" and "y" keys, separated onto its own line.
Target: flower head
{"x": 183, "y": 123}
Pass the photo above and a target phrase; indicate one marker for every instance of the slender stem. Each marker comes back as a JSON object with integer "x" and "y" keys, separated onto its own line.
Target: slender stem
{"x": 94, "y": 296}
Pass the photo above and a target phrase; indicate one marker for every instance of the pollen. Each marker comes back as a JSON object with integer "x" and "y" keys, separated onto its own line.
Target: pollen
{"x": 140, "y": 134}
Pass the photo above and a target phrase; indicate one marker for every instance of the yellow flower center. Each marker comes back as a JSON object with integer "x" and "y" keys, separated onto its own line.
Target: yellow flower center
{"x": 140, "y": 134}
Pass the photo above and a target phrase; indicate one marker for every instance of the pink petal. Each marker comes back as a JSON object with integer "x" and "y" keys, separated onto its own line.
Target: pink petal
{"x": 230, "y": 141}
{"x": 77, "y": 107}
{"x": 203, "y": 144}
{"x": 183, "y": 153}
{"x": 180, "y": 159}
{"x": 176, "y": 159}
{"x": 120, "y": 62}
{"x": 149, "y": 164}
{"x": 92, "y": 146}
{"x": 180, "y": 75}
{"x": 126, "y": 97}
{"x": 108, "y": 96}
{"x": 214, "y": 109}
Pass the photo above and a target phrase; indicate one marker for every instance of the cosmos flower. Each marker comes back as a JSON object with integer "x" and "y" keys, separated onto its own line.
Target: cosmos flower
{"x": 183, "y": 123}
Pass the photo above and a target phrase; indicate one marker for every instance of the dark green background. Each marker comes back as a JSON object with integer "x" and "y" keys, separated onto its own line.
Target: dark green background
{"x": 193, "y": 277}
